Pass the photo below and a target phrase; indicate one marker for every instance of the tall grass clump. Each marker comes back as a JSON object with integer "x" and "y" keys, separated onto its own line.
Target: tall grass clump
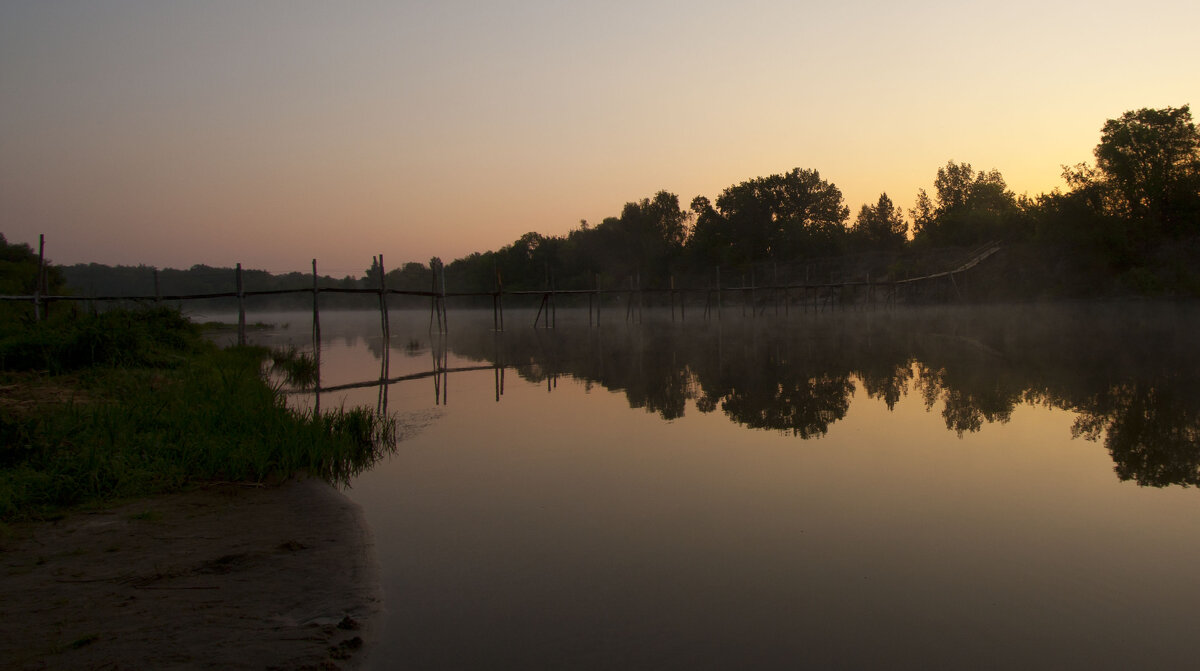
{"x": 199, "y": 414}
{"x": 298, "y": 368}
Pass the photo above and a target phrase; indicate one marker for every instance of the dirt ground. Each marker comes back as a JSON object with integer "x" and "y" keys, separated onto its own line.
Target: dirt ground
{"x": 226, "y": 576}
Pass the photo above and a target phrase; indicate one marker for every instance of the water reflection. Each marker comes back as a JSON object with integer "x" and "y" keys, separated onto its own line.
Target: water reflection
{"x": 799, "y": 377}
{"x": 895, "y": 489}
{"x": 1130, "y": 374}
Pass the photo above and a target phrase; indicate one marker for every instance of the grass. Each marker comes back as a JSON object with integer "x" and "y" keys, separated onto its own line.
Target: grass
{"x": 298, "y": 368}
{"x": 161, "y": 410}
{"x": 153, "y": 338}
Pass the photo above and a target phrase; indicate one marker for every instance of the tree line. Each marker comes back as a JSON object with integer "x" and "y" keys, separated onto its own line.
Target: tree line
{"x": 1140, "y": 196}
{"x": 1142, "y": 192}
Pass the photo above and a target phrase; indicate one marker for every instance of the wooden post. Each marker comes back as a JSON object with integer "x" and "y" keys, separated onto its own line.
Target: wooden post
{"x": 753, "y": 302}
{"x": 241, "y": 296}
{"x": 718, "y": 293}
{"x": 599, "y": 300}
{"x": 629, "y": 300}
{"x": 433, "y": 298}
{"x": 316, "y": 334}
{"x": 382, "y": 406}
{"x": 672, "y": 297}
{"x": 682, "y": 304}
{"x": 157, "y": 291}
{"x": 775, "y": 289}
{"x": 496, "y": 303}
{"x": 743, "y": 295}
{"x": 641, "y": 299}
{"x": 538, "y": 316}
{"x": 37, "y": 283}
{"x": 385, "y": 323}
{"x": 445, "y": 317}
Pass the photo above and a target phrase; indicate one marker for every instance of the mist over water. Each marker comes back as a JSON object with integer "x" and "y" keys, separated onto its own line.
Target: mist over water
{"x": 977, "y": 487}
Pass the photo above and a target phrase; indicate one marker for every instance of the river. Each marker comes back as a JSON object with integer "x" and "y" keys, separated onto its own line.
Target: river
{"x": 921, "y": 488}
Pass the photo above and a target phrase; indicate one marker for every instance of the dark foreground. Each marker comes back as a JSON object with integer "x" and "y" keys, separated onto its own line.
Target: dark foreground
{"x": 225, "y": 576}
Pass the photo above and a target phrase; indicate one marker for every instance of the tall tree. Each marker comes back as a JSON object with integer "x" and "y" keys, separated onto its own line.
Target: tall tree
{"x": 647, "y": 239}
{"x": 780, "y": 216}
{"x": 1151, "y": 160}
{"x": 881, "y": 226}
{"x": 971, "y": 207}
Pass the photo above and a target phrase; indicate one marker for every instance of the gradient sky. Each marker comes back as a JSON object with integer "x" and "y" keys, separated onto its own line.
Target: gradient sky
{"x": 271, "y": 132}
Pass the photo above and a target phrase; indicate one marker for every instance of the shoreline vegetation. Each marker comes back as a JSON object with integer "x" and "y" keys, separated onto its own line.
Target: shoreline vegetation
{"x": 133, "y": 403}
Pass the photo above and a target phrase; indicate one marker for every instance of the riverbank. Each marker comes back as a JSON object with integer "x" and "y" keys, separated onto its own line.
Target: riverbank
{"x": 225, "y": 576}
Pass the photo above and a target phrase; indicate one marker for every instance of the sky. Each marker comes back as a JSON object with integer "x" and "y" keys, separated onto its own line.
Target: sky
{"x": 171, "y": 133}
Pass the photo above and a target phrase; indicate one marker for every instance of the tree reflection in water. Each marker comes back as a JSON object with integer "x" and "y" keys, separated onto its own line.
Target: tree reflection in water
{"x": 799, "y": 376}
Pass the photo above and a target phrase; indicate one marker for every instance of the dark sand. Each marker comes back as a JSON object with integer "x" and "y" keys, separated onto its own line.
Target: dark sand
{"x": 226, "y": 576}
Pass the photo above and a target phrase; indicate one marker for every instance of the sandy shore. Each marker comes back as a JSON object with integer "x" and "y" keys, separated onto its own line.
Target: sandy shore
{"x": 227, "y": 576}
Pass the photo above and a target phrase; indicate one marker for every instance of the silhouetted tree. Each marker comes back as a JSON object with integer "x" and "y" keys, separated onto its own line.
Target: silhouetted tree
{"x": 880, "y": 226}
{"x": 971, "y": 207}
{"x": 1148, "y": 167}
{"x": 784, "y": 216}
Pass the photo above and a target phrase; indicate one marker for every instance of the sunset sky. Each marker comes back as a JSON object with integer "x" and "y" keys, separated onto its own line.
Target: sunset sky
{"x": 271, "y": 132}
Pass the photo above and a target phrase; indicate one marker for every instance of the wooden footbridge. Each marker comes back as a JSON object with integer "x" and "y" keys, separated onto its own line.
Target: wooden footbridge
{"x": 753, "y": 299}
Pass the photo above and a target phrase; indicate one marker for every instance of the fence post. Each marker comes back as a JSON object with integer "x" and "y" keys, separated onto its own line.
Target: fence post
{"x": 241, "y": 307}
{"x": 38, "y": 282}
{"x": 383, "y": 309}
{"x": 316, "y": 338}
{"x": 496, "y": 303}
{"x": 718, "y": 293}
{"x": 445, "y": 317}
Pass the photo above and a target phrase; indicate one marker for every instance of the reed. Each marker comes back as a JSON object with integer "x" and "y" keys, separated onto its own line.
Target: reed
{"x": 299, "y": 369}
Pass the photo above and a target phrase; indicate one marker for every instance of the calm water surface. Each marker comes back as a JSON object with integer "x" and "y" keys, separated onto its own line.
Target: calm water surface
{"x": 930, "y": 489}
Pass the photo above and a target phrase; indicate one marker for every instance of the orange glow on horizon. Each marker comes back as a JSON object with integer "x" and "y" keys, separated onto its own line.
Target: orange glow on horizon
{"x": 138, "y": 133}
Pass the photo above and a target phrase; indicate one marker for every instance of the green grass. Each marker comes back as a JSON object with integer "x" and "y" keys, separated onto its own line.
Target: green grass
{"x": 177, "y": 413}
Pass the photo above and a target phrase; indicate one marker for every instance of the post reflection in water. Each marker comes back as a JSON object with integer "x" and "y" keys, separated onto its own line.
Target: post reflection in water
{"x": 915, "y": 489}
